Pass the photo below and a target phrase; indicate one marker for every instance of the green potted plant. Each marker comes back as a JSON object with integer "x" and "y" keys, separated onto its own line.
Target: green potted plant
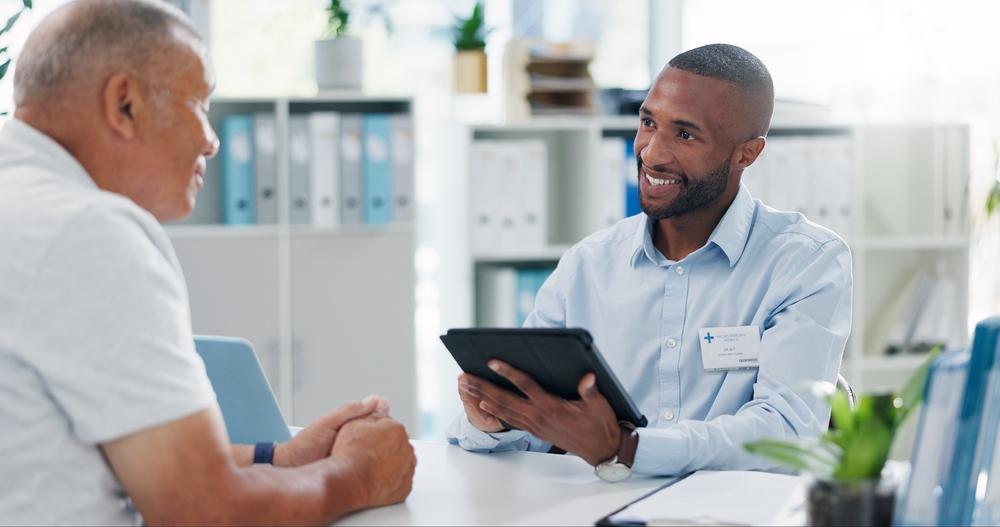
{"x": 338, "y": 55}
{"x": 847, "y": 461}
{"x": 5, "y": 59}
{"x": 469, "y": 37}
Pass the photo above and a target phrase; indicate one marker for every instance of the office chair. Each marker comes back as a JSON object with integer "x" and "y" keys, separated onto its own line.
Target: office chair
{"x": 248, "y": 405}
{"x": 844, "y": 386}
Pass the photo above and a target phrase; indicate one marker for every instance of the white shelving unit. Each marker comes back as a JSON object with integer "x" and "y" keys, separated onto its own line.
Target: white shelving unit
{"x": 330, "y": 310}
{"x": 907, "y": 206}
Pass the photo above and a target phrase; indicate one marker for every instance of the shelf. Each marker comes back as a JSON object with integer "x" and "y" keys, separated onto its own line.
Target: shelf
{"x": 913, "y": 243}
{"x": 300, "y": 231}
{"x": 190, "y": 231}
{"x": 628, "y": 123}
{"x": 893, "y": 362}
{"x": 547, "y": 254}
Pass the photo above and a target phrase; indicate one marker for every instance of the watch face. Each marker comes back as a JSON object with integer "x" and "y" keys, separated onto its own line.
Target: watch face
{"x": 613, "y": 472}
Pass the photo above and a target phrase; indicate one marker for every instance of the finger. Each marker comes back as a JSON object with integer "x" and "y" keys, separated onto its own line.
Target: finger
{"x": 381, "y": 405}
{"x": 526, "y": 384}
{"x": 499, "y": 396}
{"x": 508, "y": 415}
{"x": 588, "y": 387}
{"x": 349, "y": 411}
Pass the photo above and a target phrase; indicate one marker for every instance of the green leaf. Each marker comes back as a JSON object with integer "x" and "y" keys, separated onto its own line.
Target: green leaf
{"x": 812, "y": 457}
{"x": 27, "y": 4}
{"x": 3, "y": 68}
{"x": 993, "y": 199}
{"x": 10, "y": 22}
{"x": 840, "y": 411}
{"x": 913, "y": 391}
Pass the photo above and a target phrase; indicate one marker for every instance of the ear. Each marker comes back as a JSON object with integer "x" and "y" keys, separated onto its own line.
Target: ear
{"x": 122, "y": 101}
{"x": 747, "y": 152}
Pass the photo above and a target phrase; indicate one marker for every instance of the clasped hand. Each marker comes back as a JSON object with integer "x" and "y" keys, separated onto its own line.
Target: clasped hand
{"x": 586, "y": 427}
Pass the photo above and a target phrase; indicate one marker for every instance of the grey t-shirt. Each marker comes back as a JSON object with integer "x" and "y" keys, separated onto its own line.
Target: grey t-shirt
{"x": 95, "y": 335}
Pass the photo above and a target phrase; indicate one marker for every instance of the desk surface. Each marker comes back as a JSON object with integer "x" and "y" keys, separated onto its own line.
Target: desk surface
{"x": 455, "y": 487}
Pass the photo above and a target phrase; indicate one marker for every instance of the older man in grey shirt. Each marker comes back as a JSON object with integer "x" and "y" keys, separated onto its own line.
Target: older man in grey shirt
{"x": 102, "y": 396}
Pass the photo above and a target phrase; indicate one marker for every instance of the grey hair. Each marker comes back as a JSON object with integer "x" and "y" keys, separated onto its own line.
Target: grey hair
{"x": 93, "y": 38}
{"x": 732, "y": 64}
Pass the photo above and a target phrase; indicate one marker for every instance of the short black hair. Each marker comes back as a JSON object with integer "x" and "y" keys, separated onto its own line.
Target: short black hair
{"x": 729, "y": 63}
{"x": 732, "y": 64}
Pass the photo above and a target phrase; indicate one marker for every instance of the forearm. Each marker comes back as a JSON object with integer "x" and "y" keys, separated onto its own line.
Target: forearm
{"x": 717, "y": 444}
{"x": 315, "y": 494}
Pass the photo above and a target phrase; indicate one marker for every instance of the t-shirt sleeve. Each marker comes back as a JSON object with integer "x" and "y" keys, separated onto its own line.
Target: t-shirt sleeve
{"x": 108, "y": 329}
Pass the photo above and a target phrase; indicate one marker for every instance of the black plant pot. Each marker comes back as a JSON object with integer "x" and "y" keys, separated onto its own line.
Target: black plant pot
{"x": 868, "y": 502}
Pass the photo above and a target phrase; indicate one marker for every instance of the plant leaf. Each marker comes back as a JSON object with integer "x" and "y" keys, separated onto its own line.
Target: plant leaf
{"x": 10, "y": 22}
{"x": 993, "y": 199}
{"x": 3, "y": 68}
{"x": 27, "y": 4}
{"x": 811, "y": 457}
{"x": 840, "y": 411}
{"x": 913, "y": 391}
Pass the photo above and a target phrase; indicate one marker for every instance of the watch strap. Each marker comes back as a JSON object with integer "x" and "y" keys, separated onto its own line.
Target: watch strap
{"x": 629, "y": 444}
{"x": 263, "y": 453}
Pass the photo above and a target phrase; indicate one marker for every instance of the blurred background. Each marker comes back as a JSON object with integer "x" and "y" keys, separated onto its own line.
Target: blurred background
{"x": 477, "y": 144}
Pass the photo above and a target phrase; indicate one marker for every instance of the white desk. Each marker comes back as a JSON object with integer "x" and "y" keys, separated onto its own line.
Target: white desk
{"x": 455, "y": 487}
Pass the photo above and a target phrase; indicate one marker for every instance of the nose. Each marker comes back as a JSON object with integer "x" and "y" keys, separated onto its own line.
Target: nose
{"x": 212, "y": 145}
{"x": 655, "y": 153}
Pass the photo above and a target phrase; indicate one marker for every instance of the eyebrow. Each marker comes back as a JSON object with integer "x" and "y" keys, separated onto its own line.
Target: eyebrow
{"x": 679, "y": 122}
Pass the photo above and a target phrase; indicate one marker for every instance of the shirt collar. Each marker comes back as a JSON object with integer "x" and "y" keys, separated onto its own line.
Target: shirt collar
{"x": 46, "y": 149}
{"x": 730, "y": 235}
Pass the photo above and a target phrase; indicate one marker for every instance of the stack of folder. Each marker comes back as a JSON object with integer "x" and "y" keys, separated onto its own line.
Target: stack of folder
{"x": 343, "y": 169}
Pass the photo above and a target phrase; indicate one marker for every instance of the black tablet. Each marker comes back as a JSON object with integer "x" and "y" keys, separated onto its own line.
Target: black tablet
{"x": 556, "y": 358}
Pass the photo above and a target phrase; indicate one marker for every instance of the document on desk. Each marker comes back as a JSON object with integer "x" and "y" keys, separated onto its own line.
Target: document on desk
{"x": 721, "y": 498}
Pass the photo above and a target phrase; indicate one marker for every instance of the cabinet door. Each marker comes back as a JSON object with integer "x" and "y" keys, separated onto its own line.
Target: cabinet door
{"x": 353, "y": 321}
{"x": 233, "y": 285}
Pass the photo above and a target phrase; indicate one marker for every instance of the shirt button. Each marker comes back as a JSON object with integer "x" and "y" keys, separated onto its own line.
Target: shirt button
{"x": 679, "y": 269}
{"x": 668, "y": 415}
{"x": 671, "y": 343}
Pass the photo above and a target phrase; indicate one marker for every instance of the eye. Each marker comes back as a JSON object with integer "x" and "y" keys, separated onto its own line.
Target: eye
{"x": 646, "y": 122}
{"x": 683, "y": 134}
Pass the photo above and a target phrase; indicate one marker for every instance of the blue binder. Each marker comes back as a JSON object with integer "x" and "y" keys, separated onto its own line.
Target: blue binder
{"x": 631, "y": 177}
{"x": 377, "y": 169}
{"x": 238, "y": 186}
{"x": 959, "y": 496}
{"x": 919, "y": 502}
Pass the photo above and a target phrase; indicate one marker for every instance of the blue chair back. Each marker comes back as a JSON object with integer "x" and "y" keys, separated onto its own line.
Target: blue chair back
{"x": 248, "y": 405}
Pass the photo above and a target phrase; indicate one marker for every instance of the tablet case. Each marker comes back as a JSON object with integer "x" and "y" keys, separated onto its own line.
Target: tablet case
{"x": 556, "y": 358}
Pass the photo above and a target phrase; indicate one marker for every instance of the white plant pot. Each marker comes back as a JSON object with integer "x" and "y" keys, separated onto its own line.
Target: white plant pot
{"x": 338, "y": 63}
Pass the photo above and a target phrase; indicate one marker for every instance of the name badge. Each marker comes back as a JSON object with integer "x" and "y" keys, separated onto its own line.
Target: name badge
{"x": 735, "y": 348}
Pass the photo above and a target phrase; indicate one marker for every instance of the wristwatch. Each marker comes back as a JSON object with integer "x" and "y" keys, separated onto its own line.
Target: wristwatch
{"x": 619, "y": 468}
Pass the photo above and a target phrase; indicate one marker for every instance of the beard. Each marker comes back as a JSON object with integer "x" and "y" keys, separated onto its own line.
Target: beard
{"x": 695, "y": 195}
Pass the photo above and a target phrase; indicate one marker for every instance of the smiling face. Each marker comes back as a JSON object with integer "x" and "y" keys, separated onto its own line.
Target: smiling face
{"x": 177, "y": 140}
{"x": 690, "y": 129}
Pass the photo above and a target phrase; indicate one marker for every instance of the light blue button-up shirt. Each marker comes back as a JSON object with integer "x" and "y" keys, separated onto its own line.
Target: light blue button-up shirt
{"x": 760, "y": 267}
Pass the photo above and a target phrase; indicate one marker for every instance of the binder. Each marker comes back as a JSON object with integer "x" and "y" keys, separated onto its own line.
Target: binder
{"x": 237, "y": 170}
{"x": 529, "y": 282}
{"x": 351, "y": 146}
{"x": 529, "y": 201}
{"x": 483, "y": 163}
{"x": 266, "y": 167}
{"x": 377, "y": 170}
{"x": 958, "y": 498}
{"x": 607, "y": 194}
{"x": 324, "y": 129}
{"x": 298, "y": 169}
{"x": 496, "y": 302}
{"x": 630, "y": 173}
{"x": 402, "y": 168}
{"x": 919, "y": 500}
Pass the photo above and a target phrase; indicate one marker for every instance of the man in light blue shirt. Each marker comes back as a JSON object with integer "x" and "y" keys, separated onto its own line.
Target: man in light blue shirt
{"x": 658, "y": 290}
